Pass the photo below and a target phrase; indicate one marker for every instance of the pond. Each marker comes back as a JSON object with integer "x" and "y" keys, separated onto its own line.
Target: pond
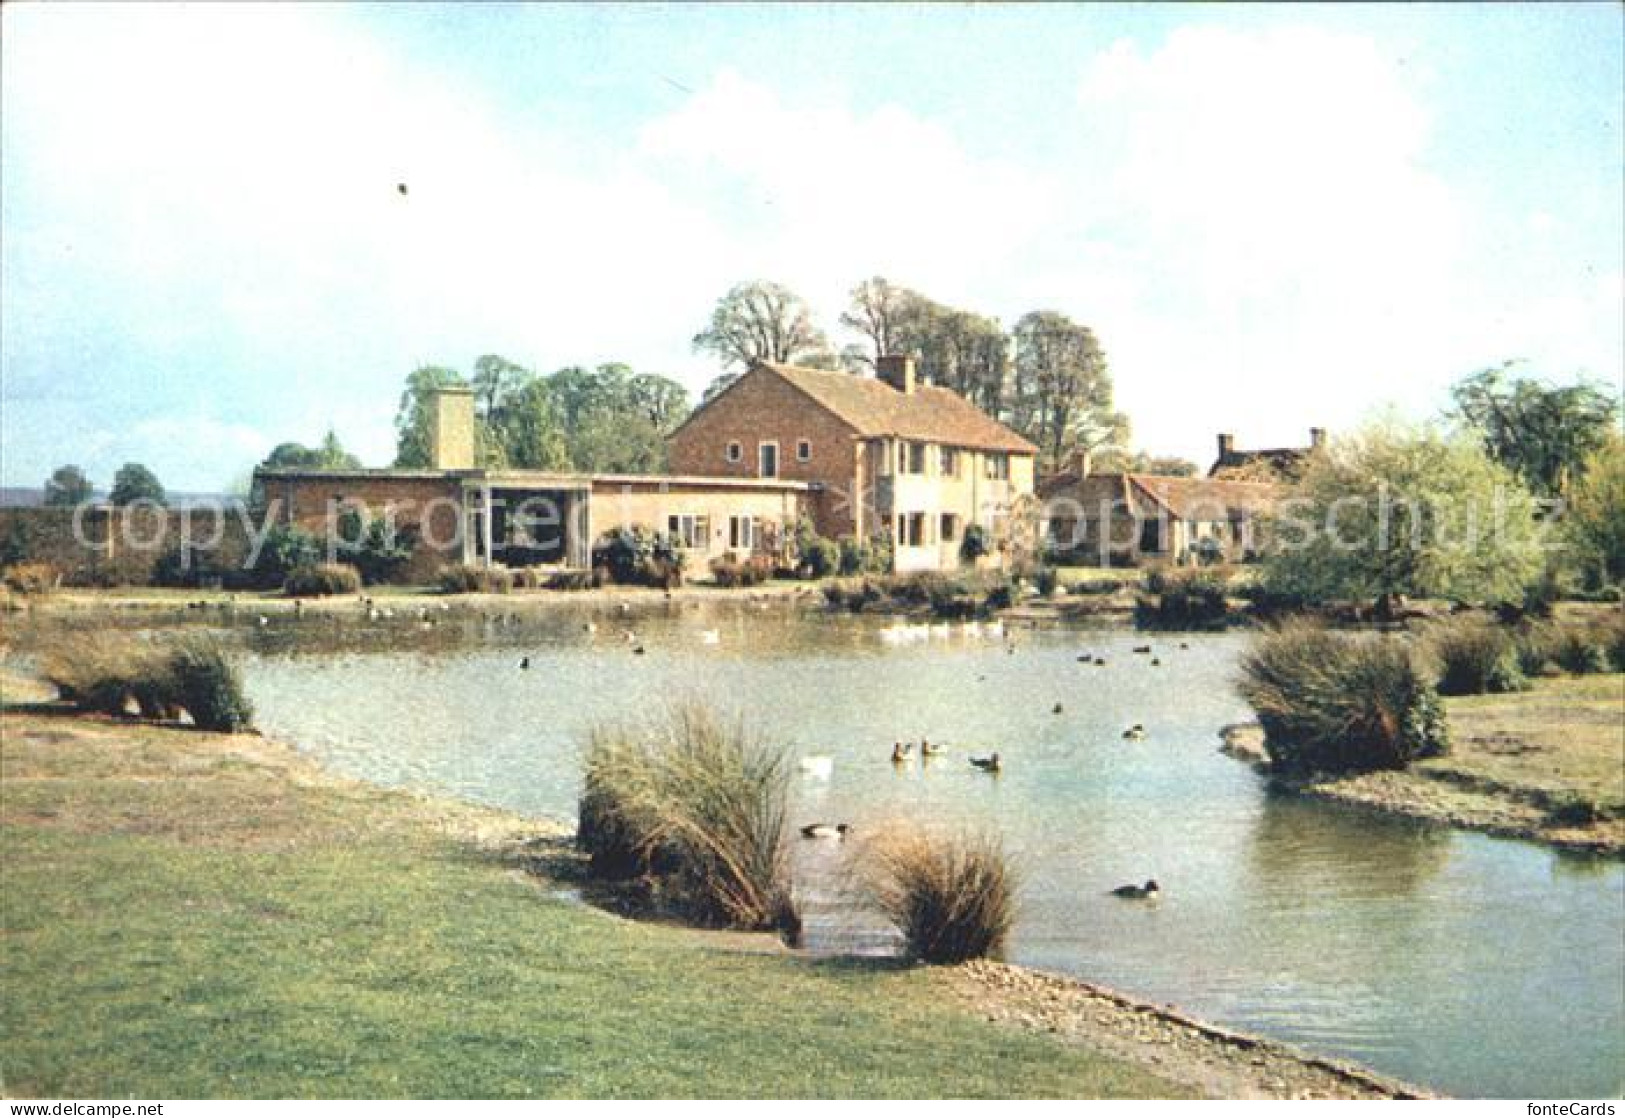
{"x": 1477, "y": 966}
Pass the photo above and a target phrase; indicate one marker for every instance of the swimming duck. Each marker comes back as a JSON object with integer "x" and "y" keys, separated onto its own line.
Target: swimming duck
{"x": 1142, "y": 650}
{"x": 1146, "y": 892}
{"x": 988, "y": 764}
{"x": 524, "y": 664}
{"x": 710, "y": 636}
{"x": 1135, "y": 732}
{"x": 637, "y": 650}
{"x": 900, "y": 753}
{"x": 1059, "y": 709}
{"x": 929, "y": 750}
{"x": 1155, "y": 662}
{"x": 1100, "y": 661}
{"x": 825, "y": 830}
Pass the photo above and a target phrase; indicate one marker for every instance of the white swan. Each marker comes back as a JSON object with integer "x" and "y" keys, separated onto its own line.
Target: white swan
{"x": 819, "y": 767}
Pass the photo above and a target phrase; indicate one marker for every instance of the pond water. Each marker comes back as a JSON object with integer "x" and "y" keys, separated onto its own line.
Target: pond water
{"x": 1478, "y": 966}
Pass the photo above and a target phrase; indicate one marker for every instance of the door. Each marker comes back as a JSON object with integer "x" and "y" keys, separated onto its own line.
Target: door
{"x": 769, "y": 460}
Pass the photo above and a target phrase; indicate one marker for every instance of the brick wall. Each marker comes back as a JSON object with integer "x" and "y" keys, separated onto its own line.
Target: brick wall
{"x": 426, "y": 505}
{"x": 759, "y": 408}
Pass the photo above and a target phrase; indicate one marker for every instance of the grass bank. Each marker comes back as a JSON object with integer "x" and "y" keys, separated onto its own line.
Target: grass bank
{"x": 203, "y": 915}
{"x": 1547, "y": 764}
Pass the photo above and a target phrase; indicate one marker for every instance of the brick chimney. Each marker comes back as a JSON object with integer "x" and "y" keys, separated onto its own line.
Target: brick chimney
{"x": 1227, "y": 446}
{"x": 451, "y": 428}
{"x": 1317, "y": 438}
{"x": 896, "y": 370}
{"x": 1081, "y": 463}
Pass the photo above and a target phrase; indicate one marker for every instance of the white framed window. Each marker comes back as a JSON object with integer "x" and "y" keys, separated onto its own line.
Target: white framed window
{"x": 911, "y": 529}
{"x": 803, "y": 450}
{"x": 742, "y": 533}
{"x": 998, "y": 466}
{"x": 950, "y": 527}
{"x": 768, "y": 459}
{"x": 948, "y": 465}
{"x": 911, "y": 458}
{"x": 735, "y": 452}
{"x": 689, "y": 530}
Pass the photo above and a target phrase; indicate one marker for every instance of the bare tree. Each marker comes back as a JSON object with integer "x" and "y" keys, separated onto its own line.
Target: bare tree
{"x": 763, "y": 321}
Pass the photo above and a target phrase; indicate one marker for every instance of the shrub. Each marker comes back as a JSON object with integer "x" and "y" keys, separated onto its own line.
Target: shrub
{"x": 1093, "y": 586}
{"x": 322, "y": 580}
{"x": 820, "y": 558}
{"x": 1475, "y": 657}
{"x": 1185, "y": 600}
{"x": 1337, "y": 703}
{"x": 1579, "y": 650}
{"x": 1002, "y": 596}
{"x": 952, "y": 898}
{"x": 701, "y": 804}
{"x": 470, "y": 578}
{"x": 1613, "y": 638}
{"x": 109, "y": 674}
{"x": 206, "y": 685}
{"x": 573, "y": 580}
{"x": 187, "y": 566}
{"x": 31, "y": 578}
{"x": 637, "y": 556}
{"x": 731, "y": 572}
{"x": 284, "y": 550}
{"x": 975, "y": 543}
{"x": 855, "y": 556}
{"x": 1046, "y": 579}
{"x": 374, "y": 548}
{"x": 853, "y": 596}
{"x": 1533, "y": 645}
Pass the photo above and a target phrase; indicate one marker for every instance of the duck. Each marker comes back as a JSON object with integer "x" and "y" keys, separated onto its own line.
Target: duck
{"x": 590, "y": 627}
{"x": 1100, "y": 661}
{"x": 900, "y": 753}
{"x": 988, "y": 764}
{"x": 1142, "y": 650}
{"x": 1149, "y": 891}
{"x": 710, "y": 636}
{"x": 929, "y": 750}
{"x": 1155, "y": 662}
{"x": 1059, "y": 709}
{"x": 264, "y": 621}
{"x": 1135, "y": 732}
{"x": 524, "y": 663}
{"x": 1184, "y": 644}
{"x": 825, "y": 830}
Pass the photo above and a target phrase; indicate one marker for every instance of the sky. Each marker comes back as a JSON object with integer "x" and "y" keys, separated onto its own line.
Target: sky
{"x": 1272, "y": 217}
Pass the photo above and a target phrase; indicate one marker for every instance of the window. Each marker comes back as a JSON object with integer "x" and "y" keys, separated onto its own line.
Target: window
{"x": 948, "y": 464}
{"x": 1151, "y": 536}
{"x": 911, "y": 529}
{"x": 803, "y": 450}
{"x": 688, "y": 530}
{"x": 735, "y": 452}
{"x": 769, "y": 459}
{"x": 742, "y": 533}
{"x": 911, "y": 458}
{"x": 998, "y": 467}
{"x": 950, "y": 527}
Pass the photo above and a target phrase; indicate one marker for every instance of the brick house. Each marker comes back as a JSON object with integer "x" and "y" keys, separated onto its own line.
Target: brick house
{"x": 1125, "y": 519}
{"x": 888, "y": 455}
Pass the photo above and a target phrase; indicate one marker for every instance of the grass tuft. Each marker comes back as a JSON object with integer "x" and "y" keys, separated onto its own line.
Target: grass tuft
{"x": 1333, "y": 702}
{"x": 952, "y": 897}
{"x": 700, "y": 803}
{"x": 110, "y": 675}
{"x": 1475, "y": 656}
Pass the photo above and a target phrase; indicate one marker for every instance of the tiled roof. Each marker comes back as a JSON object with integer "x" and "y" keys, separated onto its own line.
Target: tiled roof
{"x": 1285, "y": 462}
{"x": 929, "y": 413}
{"x": 1187, "y": 498}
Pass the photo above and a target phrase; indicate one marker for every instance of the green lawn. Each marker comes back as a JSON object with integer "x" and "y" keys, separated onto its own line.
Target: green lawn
{"x": 187, "y": 915}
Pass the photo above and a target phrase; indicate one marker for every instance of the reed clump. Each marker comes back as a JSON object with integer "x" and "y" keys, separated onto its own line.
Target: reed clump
{"x": 951, "y": 896}
{"x": 1331, "y": 702}
{"x": 115, "y": 675}
{"x": 700, "y": 804}
{"x": 322, "y": 580}
{"x": 1475, "y": 656}
{"x": 468, "y": 578}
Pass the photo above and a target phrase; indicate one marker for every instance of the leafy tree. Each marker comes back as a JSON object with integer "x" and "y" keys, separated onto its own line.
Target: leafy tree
{"x": 1062, "y": 395}
{"x": 329, "y": 455}
{"x": 1596, "y": 510}
{"x": 1541, "y": 433}
{"x": 763, "y": 321}
{"x": 134, "y": 482}
{"x": 1139, "y": 462}
{"x": 956, "y": 349}
{"x": 534, "y": 433}
{"x": 67, "y": 487}
{"x": 412, "y": 417}
{"x": 718, "y": 386}
{"x": 1396, "y": 510}
{"x": 879, "y": 311}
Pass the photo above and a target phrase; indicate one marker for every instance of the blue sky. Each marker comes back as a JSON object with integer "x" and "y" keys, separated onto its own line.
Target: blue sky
{"x": 1272, "y": 217}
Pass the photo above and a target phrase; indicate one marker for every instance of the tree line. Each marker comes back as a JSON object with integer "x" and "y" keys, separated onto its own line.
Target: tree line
{"x": 1046, "y": 377}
